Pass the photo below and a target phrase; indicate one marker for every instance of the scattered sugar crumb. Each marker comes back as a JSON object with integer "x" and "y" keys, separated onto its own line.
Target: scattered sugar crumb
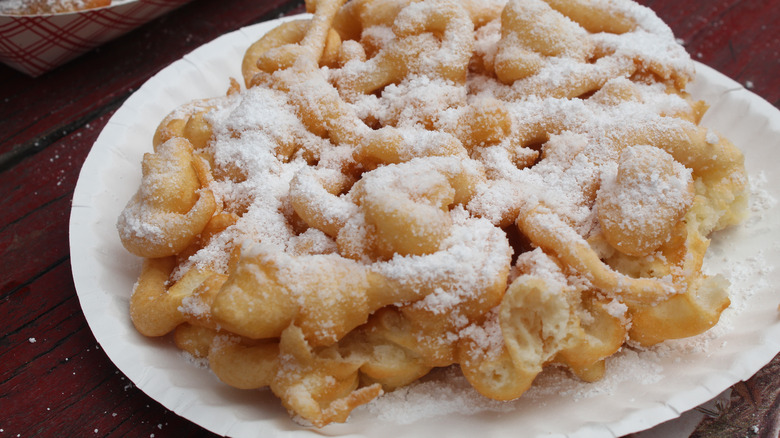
{"x": 712, "y": 137}
{"x": 199, "y": 362}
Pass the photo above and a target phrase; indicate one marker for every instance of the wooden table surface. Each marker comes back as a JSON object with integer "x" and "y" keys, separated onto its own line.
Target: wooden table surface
{"x": 54, "y": 377}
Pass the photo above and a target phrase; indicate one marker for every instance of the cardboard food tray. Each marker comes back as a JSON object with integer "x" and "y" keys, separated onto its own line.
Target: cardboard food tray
{"x": 35, "y": 44}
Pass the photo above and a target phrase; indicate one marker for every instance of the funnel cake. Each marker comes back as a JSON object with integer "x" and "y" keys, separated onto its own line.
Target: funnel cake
{"x": 404, "y": 185}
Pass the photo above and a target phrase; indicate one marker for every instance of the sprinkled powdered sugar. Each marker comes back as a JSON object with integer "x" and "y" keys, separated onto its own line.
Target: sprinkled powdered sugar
{"x": 648, "y": 190}
{"x": 712, "y": 137}
{"x": 475, "y": 252}
{"x": 446, "y": 392}
{"x": 247, "y": 133}
{"x": 748, "y": 274}
{"x": 407, "y": 101}
{"x": 198, "y": 362}
{"x": 140, "y": 221}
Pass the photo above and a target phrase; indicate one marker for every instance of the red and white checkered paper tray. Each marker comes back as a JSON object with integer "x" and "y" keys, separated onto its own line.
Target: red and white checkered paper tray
{"x": 35, "y": 44}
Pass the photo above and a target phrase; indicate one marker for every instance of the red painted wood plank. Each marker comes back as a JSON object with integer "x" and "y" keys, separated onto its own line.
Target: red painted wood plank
{"x": 39, "y": 372}
{"x": 52, "y": 174}
{"x": 34, "y": 311}
{"x": 56, "y": 379}
{"x": 34, "y": 244}
{"x": 744, "y": 51}
{"x": 724, "y": 35}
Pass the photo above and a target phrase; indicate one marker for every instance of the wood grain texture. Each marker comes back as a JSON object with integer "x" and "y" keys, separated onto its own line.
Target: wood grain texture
{"x": 54, "y": 379}
{"x": 739, "y": 38}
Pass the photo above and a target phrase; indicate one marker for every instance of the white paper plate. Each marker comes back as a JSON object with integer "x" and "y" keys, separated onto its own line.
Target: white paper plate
{"x": 640, "y": 391}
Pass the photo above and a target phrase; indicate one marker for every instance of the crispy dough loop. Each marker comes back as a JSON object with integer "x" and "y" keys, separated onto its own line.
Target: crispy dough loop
{"x": 434, "y": 38}
{"x": 595, "y": 16}
{"x": 188, "y": 121}
{"x": 325, "y": 295}
{"x": 549, "y": 232}
{"x": 494, "y": 375}
{"x": 596, "y": 327}
{"x": 486, "y": 121}
{"x": 314, "y": 195}
{"x": 314, "y": 40}
{"x": 390, "y": 350}
{"x": 699, "y": 306}
{"x": 600, "y": 334}
{"x": 469, "y": 281}
{"x": 387, "y": 146}
{"x": 538, "y": 35}
{"x": 696, "y": 310}
{"x": 408, "y": 219}
{"x": 718, "y": 166}
{"x": 266, "y": 54}
{"x": 171, "y": 207}
{"x": 536, "y": 319}
{"x": 239, "y": 362}
{"x": 320, "y": 385}
{"x": 242, "y": 363}
{"x": 156, "y": 309}
{"x": 649, "y": 196}
{"x": 532, "y": 31}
